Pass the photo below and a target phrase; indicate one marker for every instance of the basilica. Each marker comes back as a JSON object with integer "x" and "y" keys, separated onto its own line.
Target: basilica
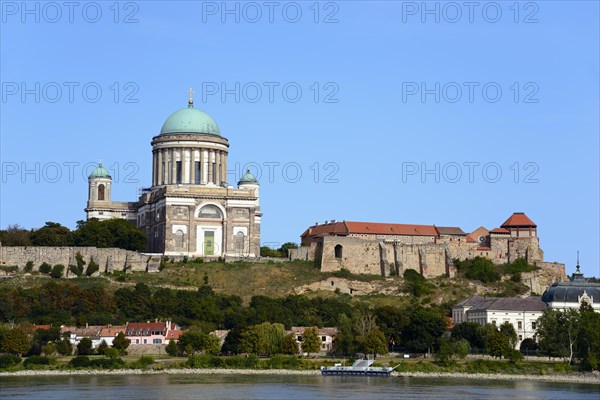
{"x": 190, "y": 209}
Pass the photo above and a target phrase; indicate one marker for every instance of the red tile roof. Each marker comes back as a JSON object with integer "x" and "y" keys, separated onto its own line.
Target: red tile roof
{"x": 376, "y": 228}
{"x": 518, "y": 219}
{"x": 174, "y": 335}
{"x": 373, "y": 228}
{"x": 499, "y": 230}
{"x": 450, "y": 230}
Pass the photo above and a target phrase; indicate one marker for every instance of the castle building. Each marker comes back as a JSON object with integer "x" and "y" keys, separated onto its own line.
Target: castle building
{"x": 388, "y": 249}
{"x": 190, "y": 209}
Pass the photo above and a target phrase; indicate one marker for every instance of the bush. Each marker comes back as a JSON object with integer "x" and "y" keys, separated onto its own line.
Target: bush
{"x": 37, "y": 360}
{"x": 143, "y": 362}
{"x": 45, "y": 268}
{"x": 57, "y": 271}
{"x": 92, "y": 267}
{"x": 29, "y": 266}
{"x": 111, "y": 352}
{"x": 9, "y": 360}
{"x": 80, "y": 362}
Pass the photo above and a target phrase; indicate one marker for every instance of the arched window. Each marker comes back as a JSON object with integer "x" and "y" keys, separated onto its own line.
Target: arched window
{"x": 338, "y": 251}
{"x": 240, "y": 239}
{"x": 100, "y": 192}
{"x": 210, "y": 211}
{"x": 179, "y": 239}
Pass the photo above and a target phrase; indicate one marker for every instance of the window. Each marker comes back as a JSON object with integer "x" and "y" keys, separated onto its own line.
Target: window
{"x": 179, "y": 239}
{"x": 198, "y": 173}
{"x": 519, "y": 325}
{"x": 214, "y": 172}
{"x": 156, "y": 341}
{"x": 179, "y": 171}
{"x": 323, "y": 338}
{"x": 100, "y": 192}
{"x": 520, "y": 337}
{"x": 210, "y": 211}
{"x": 338, "y": 251}
{"x": 239, "y": 242}
{"x": 494, "y": 321}
{"x": 162, "y": 174}
{"x": 145, "y": 341}
{"x": 533, "y": 325}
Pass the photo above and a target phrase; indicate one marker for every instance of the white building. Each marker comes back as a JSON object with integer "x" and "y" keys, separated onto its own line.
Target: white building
{"x": 570, "y": 295}
{"x": 325, "y": 334}
{"x": 522, "y": 313}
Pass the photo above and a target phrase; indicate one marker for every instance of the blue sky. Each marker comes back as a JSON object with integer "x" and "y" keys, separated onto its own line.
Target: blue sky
{"x": 408, "y": 112}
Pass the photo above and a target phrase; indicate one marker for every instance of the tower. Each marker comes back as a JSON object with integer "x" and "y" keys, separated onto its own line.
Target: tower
{"x": 99, "y": 189}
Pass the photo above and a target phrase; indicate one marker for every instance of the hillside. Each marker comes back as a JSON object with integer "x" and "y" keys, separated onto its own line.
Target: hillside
{"x": 246, "y": 279}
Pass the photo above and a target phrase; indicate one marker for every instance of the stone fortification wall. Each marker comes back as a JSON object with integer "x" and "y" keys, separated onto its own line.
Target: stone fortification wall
{"x": 377, "y": 257}
{"x": 109, "y": 260}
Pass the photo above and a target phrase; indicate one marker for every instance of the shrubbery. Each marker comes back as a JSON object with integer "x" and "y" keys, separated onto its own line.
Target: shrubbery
{"x": 105, "y": 363}
{"x": 38, "y": 360}
{"x": 9, "y": 360}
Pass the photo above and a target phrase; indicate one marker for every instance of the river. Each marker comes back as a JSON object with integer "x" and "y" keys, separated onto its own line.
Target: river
{"x": 286, "y": 387}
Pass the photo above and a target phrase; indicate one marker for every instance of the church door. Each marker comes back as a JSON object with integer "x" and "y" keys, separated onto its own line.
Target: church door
{"x": 209, "y": 243}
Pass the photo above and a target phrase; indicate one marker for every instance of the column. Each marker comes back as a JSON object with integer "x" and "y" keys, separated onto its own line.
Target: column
{"x": 204, "y": 162}
{"x": 211, "y": 160}
{"x": 173, "y": 167}
{"x": 159, "y": 173}
{"x": 224, "y": 166}
{"x": 218, "y": 168}
{"x": 192, "y": 166}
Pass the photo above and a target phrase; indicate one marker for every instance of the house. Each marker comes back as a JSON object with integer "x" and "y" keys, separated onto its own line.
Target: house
{"x": 109, "y": 333}
{"x": 221, "y": 334}
{"x": 522, "y": 313}
{"x": 326, "y": 335}
{"x": 151, "y": 332}
{"x": 91, "y": 332}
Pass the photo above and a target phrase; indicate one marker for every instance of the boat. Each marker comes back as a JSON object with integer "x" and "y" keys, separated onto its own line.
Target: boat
{"x": 361, "y": 367}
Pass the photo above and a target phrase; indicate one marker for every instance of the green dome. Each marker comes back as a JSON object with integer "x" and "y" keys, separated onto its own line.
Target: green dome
{"x": 100, "y": 172}
{"x": 190, "y": 120}
{"x": 248, "y": 179}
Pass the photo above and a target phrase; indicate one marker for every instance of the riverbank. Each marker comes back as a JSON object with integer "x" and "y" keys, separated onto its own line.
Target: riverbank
{"x": 589, "y": 378}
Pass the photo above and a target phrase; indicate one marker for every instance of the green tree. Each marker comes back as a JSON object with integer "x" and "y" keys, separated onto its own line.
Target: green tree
{"x": 424, "y": 329}
{"x": 14, "y": 235}
{"x": 115, "y": 232}
{"x": 49, "y": 349}
{"x": 391, "y": 320}
{"x": 557, "y": 332}
{"x": 84, "y": 347}
{"x": 172, "y": 348}
{"x": 45, "y": 268}
{"x": 471, "y": 332}
{"x": 344, "y": 342}
{"x": 102, "y": 347}
{"x": 92, "y": 267}
{"x": 111, "y": 353}
{"x": 265, "y": 338}
{"x": 289, "y": 345}
{"x": 311, "y": 342}
{"x": 16, "y": 341}
{"x": 57, "y": 271}
{"x": 80, "y": 263}
{"x": 498, "y": 345}
{"x": 121, "y": 343}
{"x": 415, "y": 283}
{"x": 52, "y": 234}
{"x": 507, "y": 329}
{"x": 64, "y": 347}
{"x": 588, "y": 339}
{"x": 374, "y": 342}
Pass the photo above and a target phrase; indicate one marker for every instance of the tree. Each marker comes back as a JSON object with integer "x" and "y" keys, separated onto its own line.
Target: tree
{"x": 498, "y": 345}
{"x": 343, "y": 342}
{"x": 391, "y": 320}
{"x": 78, "y": 268}
{"x": 311, "y": 342}
{"x": 289, "y": 345}
{"x": 374, "y": 342}
{"x": 285, "y": 247}
{"x": 16, "y": 341}
{"x": 57, "y": 271}
{"x": 14, "y": 235}
{"x": 172, "y": 348}
{"x": 92, "y": 267}
{"x": 64, "y": 347}
{"x": 528, "y": 345}
{"x": 471, "y": 332}
{"x": 588, "y": 340}
{"x": 557, "y": 333}
{"x": 52, "y": 234}
{"x": 115, "y": 232}
{"x": 265, "y": 338}
{"x": 45, "y": 268}
{"x": 415, "y": 283}
{"x": 121, "y": 343}
{"x": 84, "y": 347}
{"x": 507, "y": 329}
{"x": 424, "y": 329}
{"x": 102, "y": 347}
{"x": 49, "y": 349}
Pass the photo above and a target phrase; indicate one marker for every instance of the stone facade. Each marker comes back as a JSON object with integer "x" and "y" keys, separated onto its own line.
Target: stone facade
{"x": 108, "y": 259}
{"x": 390, "y": 249}
{"x": 190, "y": 209}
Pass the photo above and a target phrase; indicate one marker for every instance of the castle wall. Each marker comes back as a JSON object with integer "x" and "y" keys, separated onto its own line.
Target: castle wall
{"x": 109, "y": 260}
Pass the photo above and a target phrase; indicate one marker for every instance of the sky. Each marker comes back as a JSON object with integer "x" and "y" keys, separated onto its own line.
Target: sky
{"x": 445, "y": 113}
